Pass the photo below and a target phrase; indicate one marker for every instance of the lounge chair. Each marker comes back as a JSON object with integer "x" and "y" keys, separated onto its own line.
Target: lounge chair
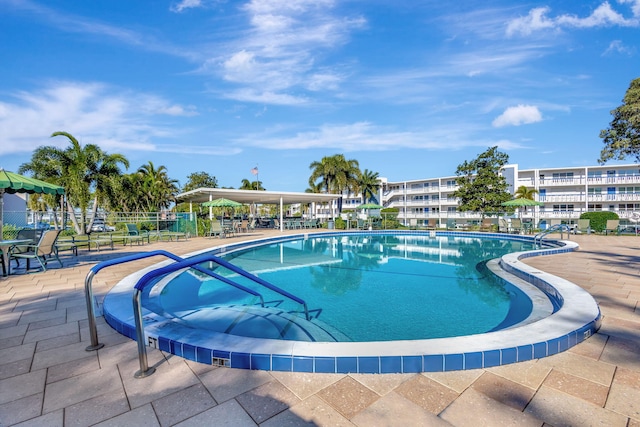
{"x": 612, "y": 226}
{"x": 503, "y": 225}
{"x": 46, "y": 247}
{"x": 583, "y": 227}
{"x": 432, "y": 224}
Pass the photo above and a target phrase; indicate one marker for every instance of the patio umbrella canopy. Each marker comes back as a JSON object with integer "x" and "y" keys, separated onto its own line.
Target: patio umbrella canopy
{"x": 222, "y": 203}
{"x": 15, "y": 183}
{"x": 521, "y": 201}
{"x": 370, "y": 206}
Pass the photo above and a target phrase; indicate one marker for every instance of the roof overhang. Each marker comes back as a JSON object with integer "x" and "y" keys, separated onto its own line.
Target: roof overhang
{"x": 201, "y": 195}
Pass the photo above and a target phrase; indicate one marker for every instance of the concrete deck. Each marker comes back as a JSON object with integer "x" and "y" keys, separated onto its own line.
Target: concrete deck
{"x": 48, "y": 379}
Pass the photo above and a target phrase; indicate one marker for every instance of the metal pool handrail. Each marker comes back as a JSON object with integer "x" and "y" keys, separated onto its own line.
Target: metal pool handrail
{"x": 145, "y": 370}
{"x": 88, "y": 288}
{"x": 557, "y": 227}
{"x": 262, "y": 282}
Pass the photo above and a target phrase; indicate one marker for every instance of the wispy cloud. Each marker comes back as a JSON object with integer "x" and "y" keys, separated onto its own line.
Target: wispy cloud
{"x": 616, "y": 46}
{"x": 112, "y": 118}
{"x": 518, "y": 115}
{"x": 603, "y": 16}
{"x": 185, "y": 4}
{"x": 366, "y": 136}
{"x": 279, "y": 57}
{"x": 72, "y": 23}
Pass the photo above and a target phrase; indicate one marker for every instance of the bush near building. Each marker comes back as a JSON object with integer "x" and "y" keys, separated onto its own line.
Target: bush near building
{"x": 598, "y": 220}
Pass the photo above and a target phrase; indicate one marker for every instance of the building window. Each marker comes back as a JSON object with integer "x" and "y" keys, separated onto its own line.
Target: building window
{"x": 563, "y": 208}
{"x": 563, "y": 176}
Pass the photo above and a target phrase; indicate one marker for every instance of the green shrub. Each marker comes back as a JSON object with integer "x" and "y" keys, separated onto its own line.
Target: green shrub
{"x": 598, "y": 220}
{"x": 340, "y": 224}
{"x": 9, "y": 231}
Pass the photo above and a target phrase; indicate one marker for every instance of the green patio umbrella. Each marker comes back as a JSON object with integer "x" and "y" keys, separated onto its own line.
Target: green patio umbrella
{"x": 370, "y": 206}
{"x": 222, "y": 203}
{"x": 15, "y": 183}
{"x": 522, "y": 202}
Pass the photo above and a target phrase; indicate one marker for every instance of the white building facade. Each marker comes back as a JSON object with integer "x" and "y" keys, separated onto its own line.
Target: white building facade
{"x": 565, "y": 192}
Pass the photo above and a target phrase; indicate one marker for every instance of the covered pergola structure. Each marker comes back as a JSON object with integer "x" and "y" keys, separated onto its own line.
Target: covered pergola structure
{"x": 280, "y": 198}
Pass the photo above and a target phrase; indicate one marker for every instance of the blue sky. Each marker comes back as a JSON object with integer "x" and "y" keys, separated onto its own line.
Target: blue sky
{"x": 409, "y": 89}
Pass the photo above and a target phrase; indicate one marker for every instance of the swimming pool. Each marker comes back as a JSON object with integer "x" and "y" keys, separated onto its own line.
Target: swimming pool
{"x": 358, "y": 287}
{"x": 561, "y": 316}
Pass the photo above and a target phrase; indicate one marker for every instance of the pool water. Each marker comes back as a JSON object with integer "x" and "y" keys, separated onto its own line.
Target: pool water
{"x": 360, "y": 287}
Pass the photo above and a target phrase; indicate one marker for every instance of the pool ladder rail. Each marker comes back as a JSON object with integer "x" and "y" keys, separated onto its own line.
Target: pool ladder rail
{"x": 181, "y": 263}
{"x": 553, "y": 229}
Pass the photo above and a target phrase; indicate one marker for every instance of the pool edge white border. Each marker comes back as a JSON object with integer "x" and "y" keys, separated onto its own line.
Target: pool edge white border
{"x": 576, "y": 320}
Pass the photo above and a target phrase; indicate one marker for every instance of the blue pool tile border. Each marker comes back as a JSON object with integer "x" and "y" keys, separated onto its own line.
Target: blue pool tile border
{"x": 410, "y": 363}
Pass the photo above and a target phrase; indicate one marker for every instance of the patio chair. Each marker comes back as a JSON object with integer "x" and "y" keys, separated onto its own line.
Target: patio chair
{"x": 216, "y": 230}
{"x": 27, "y": 234}
{"x": 503, "y": 225}
{"x": 516, "y": 225}
{"x": 46, "y": 247}
{"x": 583, "y": 226}
{"x": 486, "y": 225}
{"x": 432, "y": 224}
{"x": 612, "y": 226}
{"x": 135, "y": 235}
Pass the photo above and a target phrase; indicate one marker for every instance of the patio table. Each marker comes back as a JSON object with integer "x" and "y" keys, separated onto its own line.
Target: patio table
{"x": 5, "y": 245}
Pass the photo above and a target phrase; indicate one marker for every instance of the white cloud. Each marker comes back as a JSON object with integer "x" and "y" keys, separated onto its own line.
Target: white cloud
{"x": 185, "y": 4}
{"x": 603, "y": 16}
{"x": 93, "y": 112}
{"x": 519, "y": 115}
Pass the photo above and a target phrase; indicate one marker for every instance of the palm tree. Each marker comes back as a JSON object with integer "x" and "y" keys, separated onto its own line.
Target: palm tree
{"x": 251, "y": 185}
{"x": 336, "y": 175}
{"x": 45, "y": 166}
{"x": 83, "y": 171}
{"x": 525, "y": 193}
{"x": 368, "y": 185}
{"x": 158, "y": 189}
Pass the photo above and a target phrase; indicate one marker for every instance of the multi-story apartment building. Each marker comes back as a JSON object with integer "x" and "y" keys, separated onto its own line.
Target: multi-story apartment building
{"x": 565, "y": 192}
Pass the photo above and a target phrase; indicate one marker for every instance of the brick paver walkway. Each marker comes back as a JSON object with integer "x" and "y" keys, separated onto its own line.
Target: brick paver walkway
{"x": 48, "y": 379}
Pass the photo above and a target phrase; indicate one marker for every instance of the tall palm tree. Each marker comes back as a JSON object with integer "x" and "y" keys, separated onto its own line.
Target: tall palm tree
{"x": 158, "y": 189}
{"x": 368, "y": 185}
{"x": 336, "y": 175}
{"x": 82, "y": 170}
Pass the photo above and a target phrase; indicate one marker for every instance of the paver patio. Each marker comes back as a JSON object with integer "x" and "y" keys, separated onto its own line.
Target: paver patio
{"x": 47, "y": 377}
